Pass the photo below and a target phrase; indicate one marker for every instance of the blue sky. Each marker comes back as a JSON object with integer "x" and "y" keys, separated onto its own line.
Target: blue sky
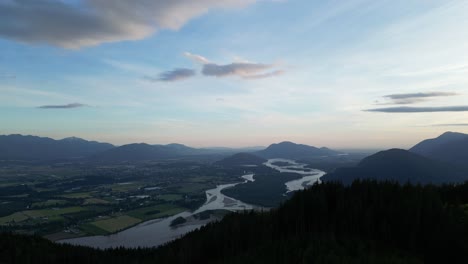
{"x": 235, "y": 73}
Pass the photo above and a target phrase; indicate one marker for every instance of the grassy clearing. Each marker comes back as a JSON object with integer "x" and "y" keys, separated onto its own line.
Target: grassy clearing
{"x": 157, "y": 211}
{"x": 49, "y": 203}
{"x": 90, "y": 229}
{"x": 194, "y": 188}
{"x": 95, "y": 201}
{"x": 24, "y": 195}
{"x": 115, "y": 224}
{"x": 9, "y": 183}
{"x": 81, "y": 195}
{"x": 16, "y": 217}
{"x": 170, "y": 197}
{"x": 53, "y": 212}
{"x": 50, "y": 214}
{"x": 126, "y": 187}
{"x": 201, "y": 179}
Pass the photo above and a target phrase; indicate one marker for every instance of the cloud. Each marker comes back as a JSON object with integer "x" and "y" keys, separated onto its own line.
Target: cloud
{"x": 173, "y": 75}
{"x": 77, "y": 24}
{"x": 196, "y": 58}
{"x": 265, "y": 75}
{"x": 245, "y": 70}
{"x": 67, "y": 106}
{"x": 406, "y": 109}
{"x": 450, "y": 125}
{"x": 411, "y": 98}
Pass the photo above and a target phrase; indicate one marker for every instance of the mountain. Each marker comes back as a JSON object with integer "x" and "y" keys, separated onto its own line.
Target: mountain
{"x": 34, "y": 148}
{"x": 241, "y": 159}
{"x": 144, "y": 152}
{"x": 235, "y": 150}
{"x": 19, "y": 147}
{"x": 290, "y": 150}
{"x": 401, "y": 166}
{"x": 449, "y": 147}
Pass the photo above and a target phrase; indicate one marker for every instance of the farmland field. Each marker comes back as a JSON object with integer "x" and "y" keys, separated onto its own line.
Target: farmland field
{"x": 115, "y": 224}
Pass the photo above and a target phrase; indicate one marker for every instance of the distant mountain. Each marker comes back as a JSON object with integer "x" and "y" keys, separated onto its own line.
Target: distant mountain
{"x": 241, "y": 159}
{"x": 19, "y": 147}
{"x": 235, "y": 150}
{"x": 144, "y": 152}
{"x": 290, "y": 150}
{"x": 449, "y": 147}
{"x": 34, "y": 148}
{"x": 401, "y": 166}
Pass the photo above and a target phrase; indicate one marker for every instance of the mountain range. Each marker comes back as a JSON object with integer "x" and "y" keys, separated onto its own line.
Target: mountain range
{"x": 290, "y": 150}
{"x": 143, "y": 152}
{"x": 449, "y": 147}
{"x": 401, "y": 166}
{"x": 19, "y": 147}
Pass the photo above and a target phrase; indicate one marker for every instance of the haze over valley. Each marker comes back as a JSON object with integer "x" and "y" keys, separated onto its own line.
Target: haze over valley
{"x": 233, "y": 131}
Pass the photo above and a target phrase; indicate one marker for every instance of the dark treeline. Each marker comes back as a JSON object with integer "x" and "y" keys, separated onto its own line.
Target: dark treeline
{"x": 365, "y": 222}
{"x": 267, "y": 190}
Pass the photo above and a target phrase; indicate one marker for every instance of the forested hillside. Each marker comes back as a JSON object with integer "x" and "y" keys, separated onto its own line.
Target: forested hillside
{"x": 401, "y": 166}
{"x": 366, "y": 222}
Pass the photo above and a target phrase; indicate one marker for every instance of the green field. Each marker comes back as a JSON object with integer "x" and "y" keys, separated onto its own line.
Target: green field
{"x": 90, "y": 229}
{"x": 95, "y": 201}
{"x": 126, "y": 187}
{"x": 170, "y": 197}
{"x": 202, "y": 179}
{"x": 115, "y": 224}
{"x": 157, "y": 211}
{"x": 50, "y": 198}
{"x": 19, "y": 196}
{"x": 49, "y": 203}
{"x": 77, "y": 195}
{"x": 16, "y": 217}
{"x": 53, "y": 212}
{"x": 194, "y": 188}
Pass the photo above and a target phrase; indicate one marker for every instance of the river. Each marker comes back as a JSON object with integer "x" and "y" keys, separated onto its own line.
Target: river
{"x": 156, "y": 232}
{"x": 309, "y": 176}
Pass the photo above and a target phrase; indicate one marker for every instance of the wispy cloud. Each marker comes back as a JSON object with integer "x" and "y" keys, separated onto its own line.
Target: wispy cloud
{"x": 92, "y": 22}
{"x": 244, "y": 69}
{"x": 196, "y": 58}
{"x": 264, "y": 75}
{"x": 173, "y": 75}
{"x": 66, "y": 106}
{"x": 411, "y": 98}
{"x": 407, "y": 109}
{"x": 450, "y": 125}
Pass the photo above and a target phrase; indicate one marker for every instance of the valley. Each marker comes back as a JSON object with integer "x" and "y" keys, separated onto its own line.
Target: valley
{"x": 60, "y": 201}
{"x": 66, "y": 201}
{"x": 146, "y": 204}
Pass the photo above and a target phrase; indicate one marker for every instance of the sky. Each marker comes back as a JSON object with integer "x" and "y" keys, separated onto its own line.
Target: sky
{"x": 341, "y": 74}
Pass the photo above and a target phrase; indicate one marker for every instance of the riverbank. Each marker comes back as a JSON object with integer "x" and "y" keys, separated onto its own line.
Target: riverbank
{"x": 155, "y": 232}
{"x": 159, "y": 231}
